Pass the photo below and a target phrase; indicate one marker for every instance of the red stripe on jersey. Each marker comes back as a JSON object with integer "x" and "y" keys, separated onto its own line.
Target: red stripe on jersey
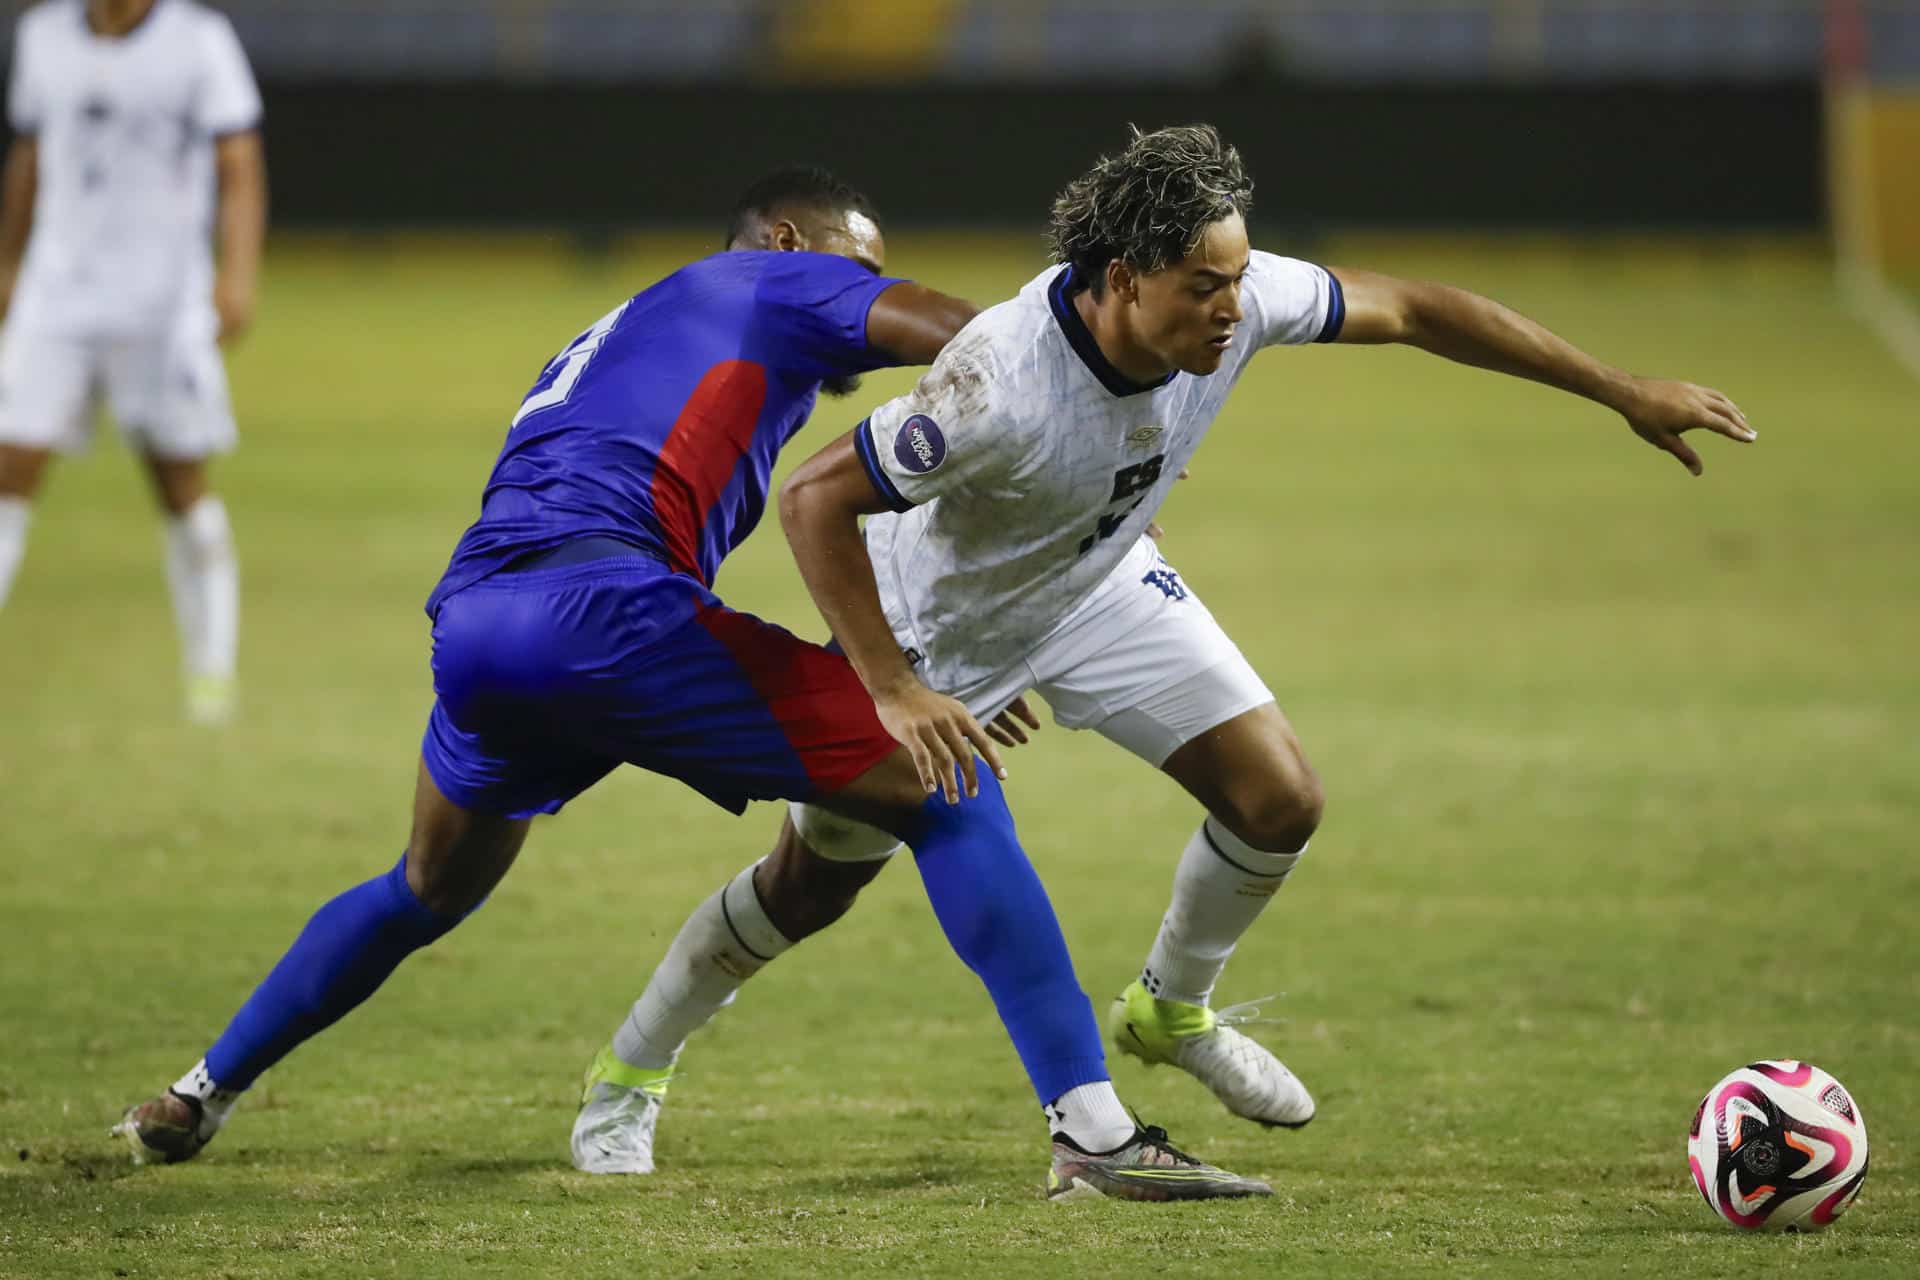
{"x": 813, "y": 694}
{"x": 711, "y": 435}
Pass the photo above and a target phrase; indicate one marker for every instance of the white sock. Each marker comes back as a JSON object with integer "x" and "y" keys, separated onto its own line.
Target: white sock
{"x": 215, "y": 1102}
{"x": 1092, "y": 1117}
{"x": 726, "y": 940}
{"x": 14, "y": 515}
{"x": 1221, "y": 886}
{"x": 204, "y": 576}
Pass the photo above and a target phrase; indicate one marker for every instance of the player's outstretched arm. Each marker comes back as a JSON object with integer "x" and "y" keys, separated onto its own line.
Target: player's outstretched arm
{"x": 911, "y": 322}
{"x": 820, "y": 509}
{"x": 19, "y": 184}
{"x": 1474, "y": 330}
{"x": 240, "y": 170}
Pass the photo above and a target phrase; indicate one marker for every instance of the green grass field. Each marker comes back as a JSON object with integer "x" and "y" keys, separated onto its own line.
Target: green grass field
{"x": 1623, "y": 775}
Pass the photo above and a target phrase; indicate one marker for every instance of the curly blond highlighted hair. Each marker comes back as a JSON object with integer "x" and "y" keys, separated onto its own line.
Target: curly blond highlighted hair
{"x": 1149, "y": 205}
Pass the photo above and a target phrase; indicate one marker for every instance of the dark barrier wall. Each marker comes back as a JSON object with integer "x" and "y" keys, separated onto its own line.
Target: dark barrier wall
{"x": 1615, "y": 156}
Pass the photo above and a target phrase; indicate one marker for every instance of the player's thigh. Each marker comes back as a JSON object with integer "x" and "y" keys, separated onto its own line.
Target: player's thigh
{"x": 779, "y": 717}
{"x": 1251, "y": 774}
{"x": 168, "y": 391}
{"x": 547, "y": 678}
{"x": 456, "y": 855}
{"x": 178, "y": 483}
{"x": 1149, "y": 668}
{"x": 46, "y": 394}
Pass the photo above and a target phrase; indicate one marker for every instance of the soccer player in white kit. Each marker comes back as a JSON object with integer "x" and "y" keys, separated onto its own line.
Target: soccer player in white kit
{"x": 136, "y": 136}
{"x": 1010, "y": 495}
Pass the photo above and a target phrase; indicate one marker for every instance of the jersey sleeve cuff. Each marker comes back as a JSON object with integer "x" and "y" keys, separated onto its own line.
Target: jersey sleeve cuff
{"x": 870, "y": 459}
{"x": 1336, "y": 310}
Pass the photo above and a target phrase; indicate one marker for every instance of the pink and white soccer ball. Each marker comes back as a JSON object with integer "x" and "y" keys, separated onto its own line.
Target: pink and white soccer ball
{"x": 1778, "y": 1146}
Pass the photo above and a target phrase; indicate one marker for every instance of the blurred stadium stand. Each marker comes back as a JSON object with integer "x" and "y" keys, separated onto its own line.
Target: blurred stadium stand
{"x": 599, "y": 114}
{"x": 1051, "y": 41}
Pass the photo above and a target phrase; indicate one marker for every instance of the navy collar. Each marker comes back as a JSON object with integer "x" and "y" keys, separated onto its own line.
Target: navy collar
{"x": 1080, "y": 338}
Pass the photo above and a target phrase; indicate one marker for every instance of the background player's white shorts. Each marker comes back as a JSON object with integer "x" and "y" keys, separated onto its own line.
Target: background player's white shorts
{"x": 167, "y": 390}
{"x": 1141, "y": 661}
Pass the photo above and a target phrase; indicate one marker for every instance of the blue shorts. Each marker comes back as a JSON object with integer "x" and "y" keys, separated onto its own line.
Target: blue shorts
{"x": 549, "y": 678}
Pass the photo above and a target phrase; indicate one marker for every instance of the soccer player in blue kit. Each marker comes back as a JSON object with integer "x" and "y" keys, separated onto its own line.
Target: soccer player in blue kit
{"x": 576, "y": 630}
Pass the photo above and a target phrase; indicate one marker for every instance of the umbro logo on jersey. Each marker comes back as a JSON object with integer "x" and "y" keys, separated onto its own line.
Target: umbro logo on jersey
{"x": 919, "y": 445}
{"x": 1141, "y": 437}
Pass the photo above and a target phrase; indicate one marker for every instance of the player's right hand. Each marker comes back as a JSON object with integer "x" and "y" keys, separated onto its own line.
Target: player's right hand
{"x": 941, "y": 735}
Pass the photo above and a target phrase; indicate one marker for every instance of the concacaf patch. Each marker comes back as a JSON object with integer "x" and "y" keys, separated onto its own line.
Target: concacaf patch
{"x": 919, "y": 445}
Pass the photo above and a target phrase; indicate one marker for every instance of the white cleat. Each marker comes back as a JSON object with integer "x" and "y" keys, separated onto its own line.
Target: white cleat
{"x": 1242, "y": 1072}
{"x": 613, "y": 1132}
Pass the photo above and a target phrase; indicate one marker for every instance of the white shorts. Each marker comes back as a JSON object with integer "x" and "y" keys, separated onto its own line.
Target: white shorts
{"x": 168, "y": 391}
{"x": 1141, "y": 662}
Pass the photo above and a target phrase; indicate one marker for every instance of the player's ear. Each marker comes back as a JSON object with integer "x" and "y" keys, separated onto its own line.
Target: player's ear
{"x": 784, "y": 237}
{"x": 1121, "y": 280}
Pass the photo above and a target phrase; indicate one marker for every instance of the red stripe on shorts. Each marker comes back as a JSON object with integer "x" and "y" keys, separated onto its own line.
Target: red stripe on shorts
{"x": 701, "y": 453}
{"x": 814, "y": 695}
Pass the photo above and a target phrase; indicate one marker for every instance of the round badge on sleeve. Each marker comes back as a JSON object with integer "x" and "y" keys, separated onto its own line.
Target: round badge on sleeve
{"x": 919, "y": 445}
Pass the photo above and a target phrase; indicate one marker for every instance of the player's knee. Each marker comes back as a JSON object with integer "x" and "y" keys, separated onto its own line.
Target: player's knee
{"x": 20, "y": 470}
{"x": 1278, "y": 814}
{"x": 802, "y": 891}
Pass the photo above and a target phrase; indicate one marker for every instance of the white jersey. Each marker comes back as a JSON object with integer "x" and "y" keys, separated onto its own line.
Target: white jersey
{"x": 1024, "y": 468}
{"x": 123, "y": 219}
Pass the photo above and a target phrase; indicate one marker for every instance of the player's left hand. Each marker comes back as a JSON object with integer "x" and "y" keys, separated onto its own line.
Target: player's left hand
{"x": 1658, "y": 410}
{"x": 1005, "y": 728}
{"x": 234, "y": 305}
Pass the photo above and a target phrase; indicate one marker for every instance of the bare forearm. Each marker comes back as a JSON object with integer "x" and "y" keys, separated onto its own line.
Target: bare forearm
{"x": 832, "y": 557}
{"x": 1473, "y": 330}
{"x": 241, "y": 223}
{"x": 19, "y": 184}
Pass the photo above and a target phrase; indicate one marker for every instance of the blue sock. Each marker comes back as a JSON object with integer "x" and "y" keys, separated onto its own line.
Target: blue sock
{"x": 996, "y": 914}
{"x": 347, "y": 950}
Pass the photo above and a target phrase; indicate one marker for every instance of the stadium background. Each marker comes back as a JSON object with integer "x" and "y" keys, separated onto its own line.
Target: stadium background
{"x": 1622, "y": 766}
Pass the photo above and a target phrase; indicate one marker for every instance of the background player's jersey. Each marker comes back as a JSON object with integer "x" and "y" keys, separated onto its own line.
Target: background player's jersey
{"x": 1024, "y": 466}
{"x": 659, "y": 426}
{"x": 123, "y": 218}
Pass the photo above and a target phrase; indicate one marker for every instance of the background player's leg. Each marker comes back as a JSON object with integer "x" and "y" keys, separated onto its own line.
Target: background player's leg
{"x": 21, "y": 470}
{"x": 348, "y": 948}
{"x": 203, "y": 575}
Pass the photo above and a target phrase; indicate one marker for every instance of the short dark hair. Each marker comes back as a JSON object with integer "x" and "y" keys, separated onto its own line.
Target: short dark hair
{"x": 1149, "y": 205}
{"x": 808, "y": 185}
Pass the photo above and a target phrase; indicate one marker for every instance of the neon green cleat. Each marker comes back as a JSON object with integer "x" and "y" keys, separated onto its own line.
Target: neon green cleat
{"x": 619, "y": 1107}
{"x": 1241, "y": 1071}
{"x": 210, "y": 699}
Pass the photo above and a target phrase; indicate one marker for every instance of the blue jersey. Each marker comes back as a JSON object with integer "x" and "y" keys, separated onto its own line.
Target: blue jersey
{"x": 659, "y": 426}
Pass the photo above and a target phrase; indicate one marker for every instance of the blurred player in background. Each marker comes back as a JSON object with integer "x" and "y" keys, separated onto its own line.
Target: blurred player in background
{"x": 576, "y": 630}
{"x": 136, "y": 145}
{"x": 1009, "y": 498}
